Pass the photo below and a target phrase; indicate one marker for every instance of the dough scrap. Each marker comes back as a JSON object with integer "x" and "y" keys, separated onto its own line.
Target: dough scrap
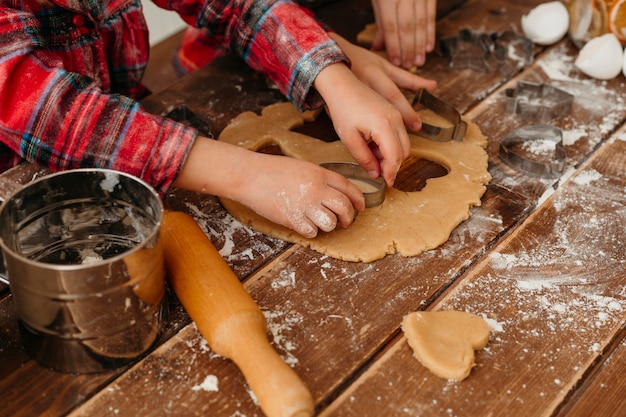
{"x": 444, "y": 341}
{"x": 407, "y": 222}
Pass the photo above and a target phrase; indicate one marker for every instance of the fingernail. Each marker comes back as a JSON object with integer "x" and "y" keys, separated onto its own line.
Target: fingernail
{"x": 373, "y": 174}
{"x": 416, "y": 126}
{"x": 419, "y": 60}
{"x": 396, "y": 61}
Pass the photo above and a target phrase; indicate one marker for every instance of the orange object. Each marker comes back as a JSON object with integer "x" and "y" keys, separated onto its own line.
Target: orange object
{"x": 228, "y": 317}
{"x": 617, "y": 20}
{"x": 592, "y": 18}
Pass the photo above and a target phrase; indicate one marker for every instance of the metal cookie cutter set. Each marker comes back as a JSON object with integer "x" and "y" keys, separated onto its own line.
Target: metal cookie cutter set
{"x": 440, "y": 134}
{"x": 505, "y": 52}
{"x": 536, "y": 150}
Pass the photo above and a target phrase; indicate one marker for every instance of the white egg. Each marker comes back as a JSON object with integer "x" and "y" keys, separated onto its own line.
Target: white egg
{"x": 547, "y": 23}
{"x": 602, "y": 57}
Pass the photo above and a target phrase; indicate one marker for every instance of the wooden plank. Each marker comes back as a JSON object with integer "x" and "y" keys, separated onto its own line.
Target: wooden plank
{"x": 463, "y": 89}
{"x": 553, "y": 293}
{"x": 607, "y": 384}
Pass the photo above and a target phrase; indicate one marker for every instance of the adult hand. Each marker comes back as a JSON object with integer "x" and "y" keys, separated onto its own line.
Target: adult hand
{"x": 406, "y": 29}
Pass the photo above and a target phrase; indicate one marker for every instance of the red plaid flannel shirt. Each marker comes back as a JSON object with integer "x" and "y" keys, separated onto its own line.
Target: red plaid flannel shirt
{"x": 70, "y": 73}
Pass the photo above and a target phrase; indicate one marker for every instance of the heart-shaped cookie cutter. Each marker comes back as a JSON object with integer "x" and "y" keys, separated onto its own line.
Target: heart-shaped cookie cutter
{"x": 445, "y": 110}
{"x": 535, "y": 135}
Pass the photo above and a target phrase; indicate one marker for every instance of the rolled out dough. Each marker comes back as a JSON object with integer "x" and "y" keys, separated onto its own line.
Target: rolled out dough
{"x": 407, "y": 222}
{"x": 444, "y": 341}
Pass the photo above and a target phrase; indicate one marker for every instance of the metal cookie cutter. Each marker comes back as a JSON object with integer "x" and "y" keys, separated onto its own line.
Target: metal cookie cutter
{"x": 539, "y": 102}
{"x": 536, "y": 150}
{"x": 443, "y": 109}
{"x": 373, "y": 189}
{"x": 505, "y": 52}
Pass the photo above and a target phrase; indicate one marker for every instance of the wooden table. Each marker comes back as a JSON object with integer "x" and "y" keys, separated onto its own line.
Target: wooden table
{"x": 542, "y": 260}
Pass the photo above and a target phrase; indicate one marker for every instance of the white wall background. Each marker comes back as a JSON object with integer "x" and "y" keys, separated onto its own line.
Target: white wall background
{"x": 161, "y": 23}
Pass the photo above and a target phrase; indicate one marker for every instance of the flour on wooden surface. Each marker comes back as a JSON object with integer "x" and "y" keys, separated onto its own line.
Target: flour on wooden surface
{"x": 572, "y": 136}
{"x": 285, "y": 278}
{"x": 590, "y": 95}
{"x": 210, "y": 384}
{"x": 539, "y": 146}
{"x": 225, "y": 229}
{"x": 558, "y": 66}
{"x": 559, "y": 294}
{"x": 280, "y": 324}
{"x": 478, "y": 228}
{"x": 587, "y": 177}
{"x": 620, "y": 136}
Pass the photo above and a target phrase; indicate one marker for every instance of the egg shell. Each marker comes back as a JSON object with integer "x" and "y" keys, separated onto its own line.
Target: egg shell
{"x": 624, "y": 64}
{"x": 602, "y": 57}
{"x": 547, "y": 23}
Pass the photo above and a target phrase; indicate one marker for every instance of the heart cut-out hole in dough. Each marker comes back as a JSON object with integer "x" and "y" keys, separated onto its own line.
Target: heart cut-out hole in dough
{"x": 444, "y": 341}
{"x": 414, "y": 173}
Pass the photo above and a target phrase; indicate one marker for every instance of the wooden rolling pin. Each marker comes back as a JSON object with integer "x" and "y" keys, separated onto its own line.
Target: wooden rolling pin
{"x": 228, "y": 317}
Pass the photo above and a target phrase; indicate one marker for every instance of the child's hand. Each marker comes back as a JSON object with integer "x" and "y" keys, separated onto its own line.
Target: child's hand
{"x": 386, "y": 79}
{"x": 293, "y": 193}
{"x": 369, "y": 122}
{"x": 369, "y": 126}
{"x": 406, "y": 29}
{"x": 302, "y": 196}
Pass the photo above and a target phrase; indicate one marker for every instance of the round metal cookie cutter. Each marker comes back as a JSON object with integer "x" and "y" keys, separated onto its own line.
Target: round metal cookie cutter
{"x": 373, "y": 189}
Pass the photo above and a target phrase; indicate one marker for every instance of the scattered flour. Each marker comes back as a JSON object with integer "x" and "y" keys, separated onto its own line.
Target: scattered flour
{"x": 280, "y": 325}
{"x": 587, "y": 177}
{"x": 539, "y": 146}
{"x": 494, "y": 325}
{"x": 621, "y": 136}
{"x": 558, "y": 65}
{"x": 573, "y": 135}
{"x": 570, "y": 277}
{"x": 209, "y": 384}
{"x": 225, "y": 230}
{"x": 285, "y": 278}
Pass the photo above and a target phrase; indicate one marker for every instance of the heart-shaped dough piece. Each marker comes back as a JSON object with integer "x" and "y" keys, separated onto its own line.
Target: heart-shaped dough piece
{"x": 444, "y": 341}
